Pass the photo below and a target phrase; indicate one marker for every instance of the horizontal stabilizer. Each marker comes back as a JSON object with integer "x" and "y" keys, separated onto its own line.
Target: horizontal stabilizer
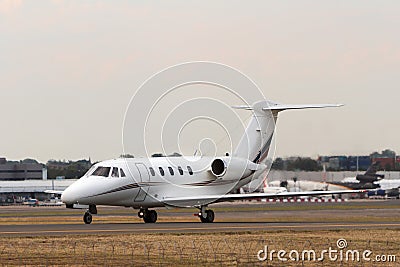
{"x": 268, "y": 105}
{"x": 288, "y": 106}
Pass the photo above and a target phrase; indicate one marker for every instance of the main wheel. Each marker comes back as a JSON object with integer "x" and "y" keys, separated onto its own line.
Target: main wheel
{"x": 150, "y": 216}
{"x": 209, "y": 217}
{"x": 87, "y": 218}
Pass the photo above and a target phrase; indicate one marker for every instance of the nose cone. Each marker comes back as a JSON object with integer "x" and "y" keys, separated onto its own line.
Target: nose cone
{"x": 68, "y": 196}
{"x": 74, "y": 193}
{"x": 78, "y": 192}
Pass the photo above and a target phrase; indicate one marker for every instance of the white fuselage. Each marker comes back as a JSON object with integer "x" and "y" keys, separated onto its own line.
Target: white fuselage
{"x": 142, "y": 184}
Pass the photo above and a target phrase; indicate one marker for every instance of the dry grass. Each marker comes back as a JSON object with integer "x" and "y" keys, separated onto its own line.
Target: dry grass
{"x": 203, "y": 249}
{"x": 208, "y": 249}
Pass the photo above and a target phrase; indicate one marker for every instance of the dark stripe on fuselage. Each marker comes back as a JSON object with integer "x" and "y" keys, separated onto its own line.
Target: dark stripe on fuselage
{"x": 122, "y": 188}
{"x": 212, "y": 182}
{"x": 264, "y": 150}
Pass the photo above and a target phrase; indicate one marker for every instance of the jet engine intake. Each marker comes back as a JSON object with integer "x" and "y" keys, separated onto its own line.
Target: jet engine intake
{"x": 231, "y": 168}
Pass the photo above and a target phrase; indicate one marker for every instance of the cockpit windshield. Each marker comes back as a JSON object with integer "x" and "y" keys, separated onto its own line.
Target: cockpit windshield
{"x": 89, "y": 172}
{"x": 102, "y": 171}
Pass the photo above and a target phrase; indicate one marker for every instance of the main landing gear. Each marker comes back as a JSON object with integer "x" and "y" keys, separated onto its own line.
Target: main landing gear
{"x": 149, "y": 216}
{"x": 87, "y": 217}
{"x": 206, "y": 216}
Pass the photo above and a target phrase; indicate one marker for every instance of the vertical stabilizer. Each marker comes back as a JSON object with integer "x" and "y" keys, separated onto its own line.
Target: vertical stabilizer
{"x": 256, "y": 141}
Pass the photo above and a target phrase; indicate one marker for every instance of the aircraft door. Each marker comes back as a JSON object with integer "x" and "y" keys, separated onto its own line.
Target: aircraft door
{"x": 144, "y": 178}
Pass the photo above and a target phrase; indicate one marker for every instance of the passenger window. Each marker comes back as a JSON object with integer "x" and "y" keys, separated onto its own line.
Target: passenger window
{"x": 190, "y": 170}
{"x": 152, "y": 171}
{"x": 102, "y": 171}
{"x": 180, "y": 170}
{"x": 161, "y": 171}
{"x": 114, "y": 172}
{"x": 171, "y": 171}
{"x": 122, "y": 173}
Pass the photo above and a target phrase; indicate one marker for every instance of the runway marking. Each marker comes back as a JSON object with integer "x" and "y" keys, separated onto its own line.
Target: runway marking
{"x": 266, "y": 227}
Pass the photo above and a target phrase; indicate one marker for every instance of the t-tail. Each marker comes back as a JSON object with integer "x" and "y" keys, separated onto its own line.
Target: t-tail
{"x": 256, "y": 141}
{"x": 370, "y": 175}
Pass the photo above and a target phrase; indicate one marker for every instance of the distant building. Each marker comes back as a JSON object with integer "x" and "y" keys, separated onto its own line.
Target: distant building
{"x": 17, "y": 171}
{"x": 20, "y": 191}
{"x": 334, "y": 163}
{"x": 343, "y": 163}
{"x": 358, "y": 163}
{"x": 385, "y": 163}
{"x": 338, "y": 163}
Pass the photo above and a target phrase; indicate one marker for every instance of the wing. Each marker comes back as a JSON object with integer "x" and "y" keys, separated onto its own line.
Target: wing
{"x": 194, "y": 201}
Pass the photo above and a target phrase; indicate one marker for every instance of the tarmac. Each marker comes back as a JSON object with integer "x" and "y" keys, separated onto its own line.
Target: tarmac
{"x": 118, "y": 228}
{"x": 231, "y": 217}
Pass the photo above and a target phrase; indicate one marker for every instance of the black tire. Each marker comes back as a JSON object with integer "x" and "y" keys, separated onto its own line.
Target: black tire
{"x": 87, "y": 218}
{"x": 209, "y": 217}
{"x": 150, "y": 216}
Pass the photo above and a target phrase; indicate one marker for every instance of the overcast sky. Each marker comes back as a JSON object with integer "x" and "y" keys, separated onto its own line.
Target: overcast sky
{"x": 69, "y": 68}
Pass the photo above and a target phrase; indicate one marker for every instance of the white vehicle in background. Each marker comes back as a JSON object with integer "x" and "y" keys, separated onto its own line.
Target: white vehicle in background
{"x": 33, "y": 202}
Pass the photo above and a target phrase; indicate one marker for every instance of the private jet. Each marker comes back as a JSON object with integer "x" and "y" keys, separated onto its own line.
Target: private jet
{"x": 186, "y": 182}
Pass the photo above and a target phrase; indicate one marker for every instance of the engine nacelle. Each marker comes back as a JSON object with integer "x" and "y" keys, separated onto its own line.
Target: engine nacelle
{"x": 232, "y": 168}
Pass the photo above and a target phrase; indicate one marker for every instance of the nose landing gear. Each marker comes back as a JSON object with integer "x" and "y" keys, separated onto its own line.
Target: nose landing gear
{"x": 87, "y": 217}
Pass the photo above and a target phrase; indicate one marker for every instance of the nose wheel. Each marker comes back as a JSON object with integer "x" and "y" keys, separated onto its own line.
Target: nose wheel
{"x": 87, "y": 218}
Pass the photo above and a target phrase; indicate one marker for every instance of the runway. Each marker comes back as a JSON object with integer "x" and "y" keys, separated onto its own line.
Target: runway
{"x": 117, "y": 228}
{"x": 232, "y": 217}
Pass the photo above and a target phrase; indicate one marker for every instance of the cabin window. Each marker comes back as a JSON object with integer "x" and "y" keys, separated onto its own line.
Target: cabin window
{"x": 102, "y": 171}
{"x": 171, "y": 171}
{"x": 114, "y": 172}
{"x": 190, "y": 170}
{"x": 180, "y": 170}
{"x": 161, "y": 171}
{"x": 122, "y": 173}
{"x": 152, "y": 171}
